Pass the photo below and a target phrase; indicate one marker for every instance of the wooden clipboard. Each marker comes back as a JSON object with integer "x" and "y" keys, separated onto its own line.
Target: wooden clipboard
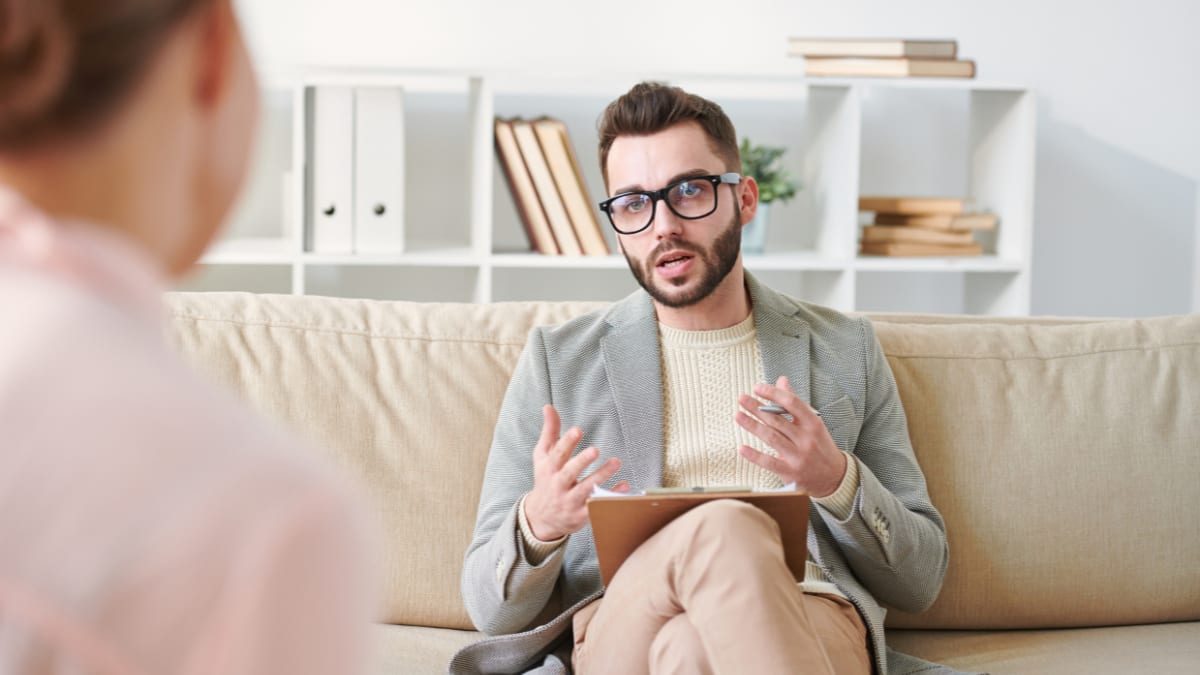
{"x": 621, "y": 524}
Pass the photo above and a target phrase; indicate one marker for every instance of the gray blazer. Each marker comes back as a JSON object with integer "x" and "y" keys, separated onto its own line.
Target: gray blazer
{"x": 602, "y": 372}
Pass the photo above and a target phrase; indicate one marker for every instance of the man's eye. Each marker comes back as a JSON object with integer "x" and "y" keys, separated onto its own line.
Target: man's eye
{"x": 688, "y": 189}
{"x": 632, "y": 205}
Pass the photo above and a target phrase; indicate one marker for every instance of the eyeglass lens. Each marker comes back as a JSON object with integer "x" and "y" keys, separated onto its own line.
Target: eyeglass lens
{"x": 689, "y": 198}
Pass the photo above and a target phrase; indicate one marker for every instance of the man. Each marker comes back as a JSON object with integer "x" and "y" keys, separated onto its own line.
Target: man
{"x": 663, "y": 388}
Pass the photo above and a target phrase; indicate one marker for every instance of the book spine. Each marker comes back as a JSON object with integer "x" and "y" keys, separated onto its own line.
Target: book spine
{"x": 547, "y": 192}
{"x": 520, "y": 186}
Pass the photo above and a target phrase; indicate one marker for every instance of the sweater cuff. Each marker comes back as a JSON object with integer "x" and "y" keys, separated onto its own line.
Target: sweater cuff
{"x": 536, "y": 550}
{"x": 841, "y": 502}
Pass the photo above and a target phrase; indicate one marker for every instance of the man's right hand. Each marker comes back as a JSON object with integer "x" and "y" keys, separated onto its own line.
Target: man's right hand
{"x": 557, "y": 505}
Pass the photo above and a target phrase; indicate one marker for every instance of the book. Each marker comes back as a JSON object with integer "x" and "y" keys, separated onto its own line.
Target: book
{"x": 899, "y": 248}
{"x": 966, "y": 221}
{"x": 620, "y": 524}
{"x": 547, "y": 191}
{"x": 533, "y": 217}
{"x": 899, "y": 233}
{"x": 913, "y": 205}
{"x": 564, "y": 167}
{"x": 872, "y": 48}
{"x": 837, "y": 67}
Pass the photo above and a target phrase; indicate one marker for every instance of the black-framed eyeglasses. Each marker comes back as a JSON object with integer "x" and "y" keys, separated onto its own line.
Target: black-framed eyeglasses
{"x": 689, "y": 198}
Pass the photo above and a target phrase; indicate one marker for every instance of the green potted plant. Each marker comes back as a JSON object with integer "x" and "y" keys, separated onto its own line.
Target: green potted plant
{"x": 764, "y": 164}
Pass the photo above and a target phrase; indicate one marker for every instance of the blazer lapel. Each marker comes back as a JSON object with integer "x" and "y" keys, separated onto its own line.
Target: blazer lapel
{"x": 783, "y": 338}
{"x": 631, "y": 361}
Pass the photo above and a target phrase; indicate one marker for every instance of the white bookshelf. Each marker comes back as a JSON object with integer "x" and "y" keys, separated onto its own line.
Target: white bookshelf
{"x": 464, "y": 241}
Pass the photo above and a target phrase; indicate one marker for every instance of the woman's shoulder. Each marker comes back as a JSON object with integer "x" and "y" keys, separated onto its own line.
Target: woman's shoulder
{"x": 92, "y": 391}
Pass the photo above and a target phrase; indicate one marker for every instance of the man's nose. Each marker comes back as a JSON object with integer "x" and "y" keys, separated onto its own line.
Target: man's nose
{"x": 666, "y": 223}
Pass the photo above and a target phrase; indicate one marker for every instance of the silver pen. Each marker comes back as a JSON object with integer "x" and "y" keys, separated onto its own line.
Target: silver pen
{"x": 773, "y": 409}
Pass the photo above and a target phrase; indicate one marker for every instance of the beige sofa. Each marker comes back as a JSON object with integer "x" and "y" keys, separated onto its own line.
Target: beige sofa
{"x": 1064, "y": 455}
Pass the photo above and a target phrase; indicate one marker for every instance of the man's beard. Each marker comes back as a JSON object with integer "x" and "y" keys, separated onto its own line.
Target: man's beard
{"x": 718, "y": 263}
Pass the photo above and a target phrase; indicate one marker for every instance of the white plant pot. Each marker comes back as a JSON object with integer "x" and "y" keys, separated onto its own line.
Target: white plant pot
{"x": 754, "y": 234}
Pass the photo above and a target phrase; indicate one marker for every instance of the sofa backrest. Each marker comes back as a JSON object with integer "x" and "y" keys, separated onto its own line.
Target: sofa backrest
{"x": 1063, "y": 454}
{"x": 1065, "y": 458}
{"x": 404, "y": 395}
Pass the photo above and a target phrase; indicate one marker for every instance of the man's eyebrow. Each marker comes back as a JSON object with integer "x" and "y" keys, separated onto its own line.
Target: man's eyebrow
{"x": 690, "y": 173}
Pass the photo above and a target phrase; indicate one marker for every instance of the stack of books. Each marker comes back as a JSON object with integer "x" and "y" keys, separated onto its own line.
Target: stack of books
{"x": 547, "y": 185}
{"x": 855, "y": 57}
{"x": 908, "y": 226}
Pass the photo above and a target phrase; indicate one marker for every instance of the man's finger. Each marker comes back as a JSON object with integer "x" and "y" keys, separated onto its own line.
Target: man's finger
{"x": 772, "y": 437}
{"x": 784, "y": 425}
{"x": 772, "y": 464}
{"x": 563, "y": 447}
{"x": 597, "y": 477}
{"x": 569, "y": 473}
{"x": 784, "y": 396}
{"x": 798, "y": 408}
{"x": 769, "y": 414}
{"x": 550, "y": 428}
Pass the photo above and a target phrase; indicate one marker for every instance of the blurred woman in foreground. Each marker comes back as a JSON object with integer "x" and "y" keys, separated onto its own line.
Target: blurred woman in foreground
{"x": 148, "y": 523}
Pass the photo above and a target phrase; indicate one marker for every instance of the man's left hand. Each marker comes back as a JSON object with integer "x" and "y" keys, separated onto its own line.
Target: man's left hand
{"x": 807, "y": 454}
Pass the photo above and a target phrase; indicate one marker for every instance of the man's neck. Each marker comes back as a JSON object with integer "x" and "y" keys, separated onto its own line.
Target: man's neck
{"x": 726, "y": 306}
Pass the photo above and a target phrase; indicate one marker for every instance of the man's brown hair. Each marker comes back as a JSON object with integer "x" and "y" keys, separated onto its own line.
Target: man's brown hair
{"x": 650, "y": 107}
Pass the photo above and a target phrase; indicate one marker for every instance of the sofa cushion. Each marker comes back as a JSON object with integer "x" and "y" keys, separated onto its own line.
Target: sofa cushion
{"x": 405, "y": 395}
{"x": 1163, "y": 648}
{"x": 1064, "y": 457}
{"x": 417, "y": 649}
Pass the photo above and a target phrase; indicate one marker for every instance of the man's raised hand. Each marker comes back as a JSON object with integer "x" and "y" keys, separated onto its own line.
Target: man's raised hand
{"x": 807, "y": 454}
{"x": 557, "y": 505}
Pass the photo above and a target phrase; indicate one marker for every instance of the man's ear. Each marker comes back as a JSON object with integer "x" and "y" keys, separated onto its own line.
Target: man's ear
{"x": 748, "y": 198}
{"x": 216, "y": 34}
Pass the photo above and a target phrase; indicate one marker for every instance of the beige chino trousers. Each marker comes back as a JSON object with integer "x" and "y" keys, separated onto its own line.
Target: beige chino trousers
{"x": 711, "y": 593}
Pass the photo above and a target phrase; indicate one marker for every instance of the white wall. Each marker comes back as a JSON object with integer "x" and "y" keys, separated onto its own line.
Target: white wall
{"x": 1117, "y": 214}
{"x": 1196, "y": 264}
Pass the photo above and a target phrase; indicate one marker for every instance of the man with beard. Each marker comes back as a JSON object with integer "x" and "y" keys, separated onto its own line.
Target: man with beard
{"x": 663, "y": 389}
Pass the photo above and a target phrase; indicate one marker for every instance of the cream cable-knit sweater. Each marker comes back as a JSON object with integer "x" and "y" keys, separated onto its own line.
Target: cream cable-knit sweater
{"x": 703, "y": 373}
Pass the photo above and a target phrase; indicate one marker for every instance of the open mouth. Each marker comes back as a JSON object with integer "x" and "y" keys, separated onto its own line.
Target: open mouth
{"x": 673, "y": 260}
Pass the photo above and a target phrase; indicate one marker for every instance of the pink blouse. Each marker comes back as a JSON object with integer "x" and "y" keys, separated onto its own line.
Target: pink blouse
{"x": 148, "y": 522}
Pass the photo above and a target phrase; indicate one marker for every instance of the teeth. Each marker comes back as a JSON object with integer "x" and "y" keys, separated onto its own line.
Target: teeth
{"x": 673, "y": 262}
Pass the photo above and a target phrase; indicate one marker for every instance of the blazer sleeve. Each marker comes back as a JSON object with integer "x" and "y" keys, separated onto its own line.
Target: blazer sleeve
{"x": 503, "y": 590}
{"x": 894, "y": 539}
